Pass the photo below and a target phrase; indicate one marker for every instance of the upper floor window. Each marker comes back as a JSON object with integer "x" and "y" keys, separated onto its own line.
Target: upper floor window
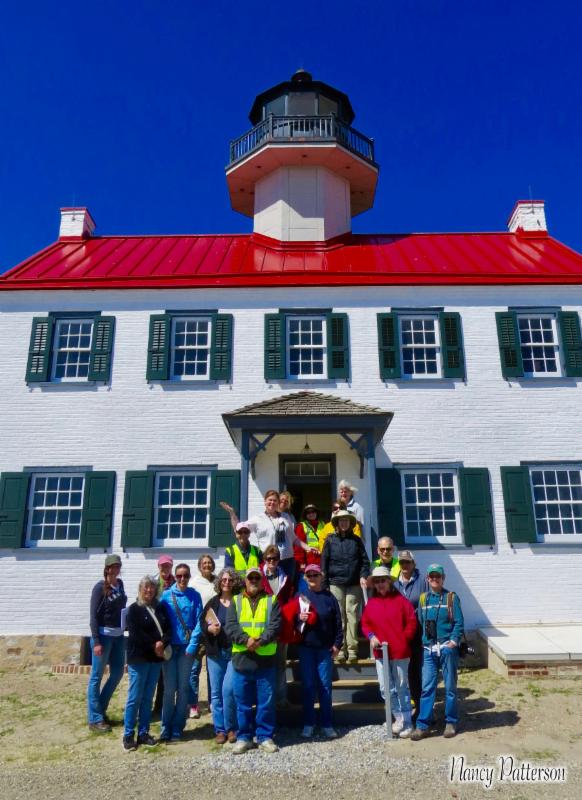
{"x": 306, "y": 346}
{"x": 66, "y": 348}
{"x": 536, "y": 344}
{"x": 419, "y": 345}
{"x": 190, "y": 347}
{"x": 306, "y": 351}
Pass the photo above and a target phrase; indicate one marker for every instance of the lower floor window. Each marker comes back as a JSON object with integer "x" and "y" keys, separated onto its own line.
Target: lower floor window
{"x": 181, "y": 507}
{"x": 55, "y": 509}
{"x": 557, "y": 494}
{"x": 431, "y": 505}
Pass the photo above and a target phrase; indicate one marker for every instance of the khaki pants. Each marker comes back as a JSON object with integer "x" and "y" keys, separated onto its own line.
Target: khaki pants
{"x": 350, "y": 603}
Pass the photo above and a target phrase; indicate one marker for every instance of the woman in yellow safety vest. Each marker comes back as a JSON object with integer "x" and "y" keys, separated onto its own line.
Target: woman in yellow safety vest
{"x": 242, "y": 555}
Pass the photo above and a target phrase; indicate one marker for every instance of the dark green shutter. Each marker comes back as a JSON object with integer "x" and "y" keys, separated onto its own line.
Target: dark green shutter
{"x": 101, "y": 348}
{"x": 338, "y": 346}
{"x": 389, "y": 499}
{"x": 97, "y": 509}
{"x": 388, "y": 346}
{"x": 225, "y": 486}
{"x": 452, "y": 344}
{"x": 571, "y": 342}
{"x": 518, "y": 501}
{"x": 40, "y": 350}
{"x": 476, "y": 506}
{"x": 509, "y": 344}
{"x": 13, "y": 502}
{"x": 138, "y": 509}
{"x": 275, "y": 365}
{"x": 158, "y": 366}
{"x": 221, "y": 350}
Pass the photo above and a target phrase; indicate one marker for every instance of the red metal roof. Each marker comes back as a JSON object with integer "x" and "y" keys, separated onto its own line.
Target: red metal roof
{"x": 129, "y": 262}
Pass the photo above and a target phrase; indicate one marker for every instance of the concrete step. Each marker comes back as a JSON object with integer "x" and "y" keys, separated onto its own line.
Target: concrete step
{"x": 364, "y": 668}
{"x": 344, "y": 691}
{"x": 344, "y": 714}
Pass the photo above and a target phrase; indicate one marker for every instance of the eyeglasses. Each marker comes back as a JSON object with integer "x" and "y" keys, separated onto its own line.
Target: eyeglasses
{"x": 385, "y": 549}
{"x": 183, "y": 576}
{"x": 436, "y": 576}
{"x": 227, "y": 580}
{"x": 404, "y": 561}
{"x": 271, "y": 558}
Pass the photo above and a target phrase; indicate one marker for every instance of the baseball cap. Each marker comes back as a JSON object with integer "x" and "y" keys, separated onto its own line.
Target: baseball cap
{"x": 242, "y": 526}
{"x": 435, "y": 568}
{"x": 112, "y": 559}
{"x": 406, "y": 555}
{"x": 313, "y": 568}
{"x": 253, "y": 571}
{"x": 165, "y": 560}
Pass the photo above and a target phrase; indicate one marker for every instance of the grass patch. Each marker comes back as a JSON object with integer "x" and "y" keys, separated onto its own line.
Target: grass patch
{"x": 539, "y": 755}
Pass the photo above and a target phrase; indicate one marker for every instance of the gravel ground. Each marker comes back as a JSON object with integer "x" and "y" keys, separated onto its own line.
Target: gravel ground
{"x": 47, "y": 753}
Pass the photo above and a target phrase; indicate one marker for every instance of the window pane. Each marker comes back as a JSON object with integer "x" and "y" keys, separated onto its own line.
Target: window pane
{"x": 558, "y": 487}
{"x": 55, "y": 508}
{"x": 420, "y": 348}
{"x": 433, "y": 506}
{"x": 190, "y": 348}
{"x": 180, "y": 499}
{"x": 539, "y": 345}
{"x": 306, "y": 347}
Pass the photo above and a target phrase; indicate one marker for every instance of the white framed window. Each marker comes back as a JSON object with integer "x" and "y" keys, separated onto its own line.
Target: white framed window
{"x": 181, "y": 508}
{"x": 190, "y": 350}
{"x": 557, "y": 497}
{"x": 431, "y": 505}
{"x": 307, "y": 469}
{"x": 306, "y": 347}
{"x": 55, "y": 508}
{"x": 420, "y": 348}
{"x": 72, "y": 350}
{"x": 539, "y": 342}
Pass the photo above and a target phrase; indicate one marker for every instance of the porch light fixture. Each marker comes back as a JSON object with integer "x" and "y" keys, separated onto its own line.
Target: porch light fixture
{"x": 306, "y": 449}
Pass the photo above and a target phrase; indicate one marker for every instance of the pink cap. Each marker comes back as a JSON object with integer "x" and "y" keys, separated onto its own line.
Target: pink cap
{"x": 165, "y": 560}
{"x": 243, "y": 526}
{"x": 312, "y": 568}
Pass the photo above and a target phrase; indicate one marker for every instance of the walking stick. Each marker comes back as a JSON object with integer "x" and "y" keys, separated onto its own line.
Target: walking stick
{"x": 386, "y": 670}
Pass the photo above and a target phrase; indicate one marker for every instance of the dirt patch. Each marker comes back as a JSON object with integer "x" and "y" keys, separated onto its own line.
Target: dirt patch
{"x": 46, "y": 749}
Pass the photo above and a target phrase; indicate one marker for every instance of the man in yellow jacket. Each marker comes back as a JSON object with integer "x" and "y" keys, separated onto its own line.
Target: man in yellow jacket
{"x": 253, "y": 621}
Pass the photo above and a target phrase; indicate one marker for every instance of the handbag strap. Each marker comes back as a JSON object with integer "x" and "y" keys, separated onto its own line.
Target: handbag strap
{"x": 185, "y": 628}
{"x": 155, "y": 619}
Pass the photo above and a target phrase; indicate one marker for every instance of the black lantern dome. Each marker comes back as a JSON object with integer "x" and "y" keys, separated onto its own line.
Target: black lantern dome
{"x": 302, "y": 96}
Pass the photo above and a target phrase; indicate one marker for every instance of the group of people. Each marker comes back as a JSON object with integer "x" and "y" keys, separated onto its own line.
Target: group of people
{"x": 309, "y": 584}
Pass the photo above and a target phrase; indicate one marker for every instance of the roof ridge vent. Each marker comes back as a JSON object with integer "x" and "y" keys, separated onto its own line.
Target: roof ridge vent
{"x": 528, "y": 216}
{"x": 76, "y": 223}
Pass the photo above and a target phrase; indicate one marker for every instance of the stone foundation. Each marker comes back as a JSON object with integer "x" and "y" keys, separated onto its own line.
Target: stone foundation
{"x": 39, "y": 652}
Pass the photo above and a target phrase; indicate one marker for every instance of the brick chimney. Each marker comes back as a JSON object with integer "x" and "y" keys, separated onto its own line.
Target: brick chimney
{"x": 76, "y": 223}
{"x": 528, "y": 216}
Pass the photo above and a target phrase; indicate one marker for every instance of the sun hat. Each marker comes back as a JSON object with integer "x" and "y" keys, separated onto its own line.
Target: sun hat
{"x": 112, "y": 560}
{"x": 341, "y": 514}
{"x": 381, "y": 572}
{"x": 165, "y": 560}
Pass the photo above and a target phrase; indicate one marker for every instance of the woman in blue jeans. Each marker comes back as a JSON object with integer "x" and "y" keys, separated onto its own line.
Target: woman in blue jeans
{"x": 184, "y": 607}
{"x": 149, "y": 632}
{"x": 321, "y": 640}
{"x": 108, "y": 599}
{"x": 218, "y": 654}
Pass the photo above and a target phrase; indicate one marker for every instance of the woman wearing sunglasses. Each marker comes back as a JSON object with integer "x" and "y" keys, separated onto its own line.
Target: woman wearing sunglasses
{"x": 277, "y": 583}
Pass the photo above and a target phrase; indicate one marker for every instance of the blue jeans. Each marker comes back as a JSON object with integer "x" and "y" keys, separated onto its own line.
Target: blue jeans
{"x": 221, "y": 692}
{"x": 98, "y": 698}
{"x": 252, "y": 688}
{"x": 176, "y": 687}
{"x": 399, "y": 691}
{"x": 143, "y": 679}
{"x": 315, "y": 666}
{"x": 447, "y": 662}
{"x": 194, "y": 681}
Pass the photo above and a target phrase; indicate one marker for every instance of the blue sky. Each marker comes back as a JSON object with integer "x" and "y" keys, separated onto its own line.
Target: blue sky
{"x": 128, "y": 108}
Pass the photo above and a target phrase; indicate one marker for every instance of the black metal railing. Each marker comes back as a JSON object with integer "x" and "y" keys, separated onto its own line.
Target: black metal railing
{"x": 302, "y": 129}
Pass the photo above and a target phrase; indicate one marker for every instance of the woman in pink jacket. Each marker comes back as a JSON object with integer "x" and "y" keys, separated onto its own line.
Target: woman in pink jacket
{"x": 389, "y": 617}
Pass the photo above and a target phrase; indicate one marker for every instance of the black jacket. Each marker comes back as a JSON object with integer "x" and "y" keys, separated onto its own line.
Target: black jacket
{"x": 344, "y": 560}
{"x": 105, "y": 610}
{"x": 144, "y": 633}
{"x": 213, "y": 643}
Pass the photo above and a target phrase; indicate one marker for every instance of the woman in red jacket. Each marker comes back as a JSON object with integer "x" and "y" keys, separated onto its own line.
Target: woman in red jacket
{"x": 389, "y": 617}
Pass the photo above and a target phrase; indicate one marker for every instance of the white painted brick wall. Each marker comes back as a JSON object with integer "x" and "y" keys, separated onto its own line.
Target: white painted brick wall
{"x": 128, "y": 425}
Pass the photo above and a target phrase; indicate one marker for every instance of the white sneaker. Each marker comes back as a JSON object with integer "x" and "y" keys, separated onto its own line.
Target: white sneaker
{"x": 405, "y": 733}
{"x": 242, "y": 746}
{"x": 268, "y": 746}
{"x": 307, "y": 732}
{"x": 329, "y": 733}
{"x": 397, "y": 727}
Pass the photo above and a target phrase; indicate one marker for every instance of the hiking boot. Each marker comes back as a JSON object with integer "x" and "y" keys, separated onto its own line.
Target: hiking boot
{"x": 341, "y": 657}
{"x": 329, "y": 733}
{"x": 307, "y": 732}
{"x": 406, "y": 733}
{"x": 220, "y": 738}
{"x": 450, "y": 731}
{"x": 242, "y": 746}
{"x": 194, "y": 712}
{"x": 146, "y": 739}
{"x": 100, "y": 727}
{"x": 268, "y": 746}
{"x": 418, "y": 734}
{"x": 128, "y": 743}
{"x": 231, "y": 736}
